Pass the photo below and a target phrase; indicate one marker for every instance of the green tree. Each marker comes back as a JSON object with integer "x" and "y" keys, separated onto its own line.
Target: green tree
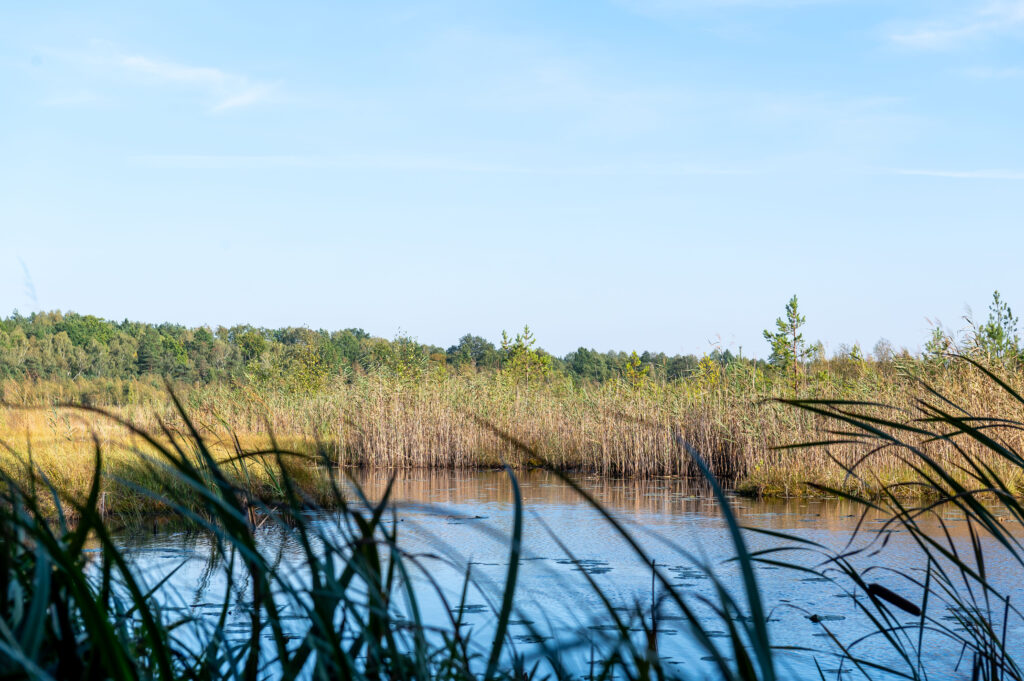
{"x": 938, "y": 346}
{"x": 787, "y": 343}
{"x": 724, "y": 358}
{"x": 175, "y": 358}
{"x": 523, "y": 362}
{"x": 348, "y": 346}
{"x": 589, "y": 364}
{"x": 307, "y": 369}
{"x": 403, "y": 357}
{"x": 473, "y": 350}
{"x": 149, "y": 351}
{"x": 82, "y": 329}
{"x": 636, "y": 372}
{"x": 680, "y": 366}
{"x": 252, "y": 344}
{"x": 997, "y": 338}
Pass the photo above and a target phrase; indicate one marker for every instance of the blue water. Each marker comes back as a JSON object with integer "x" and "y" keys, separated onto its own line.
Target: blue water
{"x": 455, "y": 524}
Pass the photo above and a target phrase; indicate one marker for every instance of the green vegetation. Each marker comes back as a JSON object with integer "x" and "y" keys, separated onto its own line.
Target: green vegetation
{"x": 789, "y": 351}
{"x": 397, "y": 403}
{"x": 997, "y": 339}
{"x": 58, "y": 346}
{"x": 352, "y": 610}
{"x": 55, "y": 345}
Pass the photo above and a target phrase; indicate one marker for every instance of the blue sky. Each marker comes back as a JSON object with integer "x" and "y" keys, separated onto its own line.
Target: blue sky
{"x": 658, "y": 174}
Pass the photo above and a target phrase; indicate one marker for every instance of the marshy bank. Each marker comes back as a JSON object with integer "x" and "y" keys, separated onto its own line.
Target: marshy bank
{"x": 734, "y": 414}
{"x": 663, "y": 581}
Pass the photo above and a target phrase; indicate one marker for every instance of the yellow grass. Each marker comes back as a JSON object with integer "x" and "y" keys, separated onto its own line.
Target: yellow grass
{"x": 448, "y": 420}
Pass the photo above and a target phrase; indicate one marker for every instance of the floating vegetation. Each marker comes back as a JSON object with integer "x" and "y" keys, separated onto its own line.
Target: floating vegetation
{"x": 467, "y": 609}
{"x": 687, "y": 572}
{"x": 591, "y": 566}
{"x": 531, "y": 638}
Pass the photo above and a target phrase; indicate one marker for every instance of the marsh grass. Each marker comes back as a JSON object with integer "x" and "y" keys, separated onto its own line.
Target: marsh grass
{"x": 71, "y": 614}
{"x": 74, "y": 614}
{"x": 736, "y": 416}
{"x": 955, "y": 455}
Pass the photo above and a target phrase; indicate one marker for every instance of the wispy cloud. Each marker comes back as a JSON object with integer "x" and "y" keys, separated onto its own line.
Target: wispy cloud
{"x": 990, "y": 19}
{"x": 413, "y": 163}
{"x": 528, "y": 77}
{"x": 661, "y": 6}
{"x": 421, "y": 163}
{"x": 990, "y": 73}
{"x": 78, "y": 98}
{"x": 227, "y": 90}
{"x": 1015, "y": 175}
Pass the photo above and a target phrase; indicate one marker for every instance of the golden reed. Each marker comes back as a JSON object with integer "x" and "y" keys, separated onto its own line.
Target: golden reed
{"x": 445, "y": 419}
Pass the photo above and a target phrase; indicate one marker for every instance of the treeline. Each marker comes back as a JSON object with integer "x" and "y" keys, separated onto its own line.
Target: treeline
{"x": 55, "y": 345}
{"x": 51, "y": 345}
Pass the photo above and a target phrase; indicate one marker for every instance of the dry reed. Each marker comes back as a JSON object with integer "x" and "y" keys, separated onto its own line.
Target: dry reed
{"x": 448, "y": 420}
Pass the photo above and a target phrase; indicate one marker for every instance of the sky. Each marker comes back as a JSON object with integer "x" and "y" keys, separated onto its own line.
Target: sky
{"x": 624, "y": 174}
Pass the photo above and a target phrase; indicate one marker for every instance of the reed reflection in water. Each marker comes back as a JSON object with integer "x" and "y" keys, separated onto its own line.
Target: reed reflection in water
{"x": 458, "y": 523}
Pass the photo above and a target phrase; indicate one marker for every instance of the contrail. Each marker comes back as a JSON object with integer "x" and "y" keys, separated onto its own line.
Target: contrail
{"x": 30, "y": 288}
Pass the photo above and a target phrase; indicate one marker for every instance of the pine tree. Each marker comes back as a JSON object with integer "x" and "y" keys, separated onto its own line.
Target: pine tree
{"x": 787, "y": 343}
{"x": 148, "y": 355}
{"x": 997, "y": 339}
{"x": 522, "y": 360}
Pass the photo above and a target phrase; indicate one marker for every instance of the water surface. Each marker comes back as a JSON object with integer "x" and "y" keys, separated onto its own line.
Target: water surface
{"x": 459, "y": 523}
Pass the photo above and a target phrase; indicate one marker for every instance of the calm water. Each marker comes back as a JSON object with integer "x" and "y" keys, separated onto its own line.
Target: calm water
{"x": 462, "y": 521}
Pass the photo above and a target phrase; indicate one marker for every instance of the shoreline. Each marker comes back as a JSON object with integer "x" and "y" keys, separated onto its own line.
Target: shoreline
{"x": 747, "y": 433}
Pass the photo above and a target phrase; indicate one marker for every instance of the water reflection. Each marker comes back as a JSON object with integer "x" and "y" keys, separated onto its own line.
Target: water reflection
{"x": 459, "y": 523}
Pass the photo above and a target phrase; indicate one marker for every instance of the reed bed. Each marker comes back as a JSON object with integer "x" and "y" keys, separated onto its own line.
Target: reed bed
{"x": 72, "y": 612}
{"x": 445, "y": 419}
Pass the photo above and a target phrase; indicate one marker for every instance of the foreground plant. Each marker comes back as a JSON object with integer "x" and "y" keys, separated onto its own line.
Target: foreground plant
{"x": 74, "y": 606}
{"x": 351, "y": 611}
{"x": 953, "y": 456}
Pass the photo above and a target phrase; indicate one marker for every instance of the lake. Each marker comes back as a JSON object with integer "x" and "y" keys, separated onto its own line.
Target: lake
{"x": 458, "y": 523}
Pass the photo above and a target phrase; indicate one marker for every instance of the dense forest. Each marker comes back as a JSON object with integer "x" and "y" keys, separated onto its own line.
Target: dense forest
{"x": 55, "y": 345}
{"x": 50, "y": 345}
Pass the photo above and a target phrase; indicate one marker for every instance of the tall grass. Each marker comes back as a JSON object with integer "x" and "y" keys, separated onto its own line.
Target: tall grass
{"x": 954, "y": 454}
{"x": 731, "y": 414}
{"x": 68, "y": 612}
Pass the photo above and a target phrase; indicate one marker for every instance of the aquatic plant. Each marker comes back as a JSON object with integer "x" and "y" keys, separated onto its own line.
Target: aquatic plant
{"x": 73, "y": 605}
{"x": 729, "y": 414}
{"x": 399, "y": 404}
{"x": 73, "y": 612}
{"x": 954, "y": 456}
